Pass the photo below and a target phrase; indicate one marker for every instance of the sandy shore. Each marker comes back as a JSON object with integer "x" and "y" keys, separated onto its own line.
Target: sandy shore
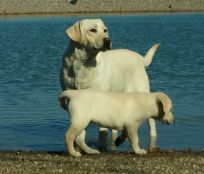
{"x": 123, "y": 162}
{"x": 13, "y": 7}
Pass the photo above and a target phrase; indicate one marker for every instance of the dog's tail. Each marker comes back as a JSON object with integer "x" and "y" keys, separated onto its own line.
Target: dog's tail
{"x": 149, "y": 55}
{"x": 65, "y": 97}
{"x": 120, "y": 139}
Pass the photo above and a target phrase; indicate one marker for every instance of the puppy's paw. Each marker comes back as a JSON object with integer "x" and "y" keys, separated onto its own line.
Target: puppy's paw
{"x": 75, "y": 154}
{"x": 141, "y": 151}
{"x": 93, "y": 151}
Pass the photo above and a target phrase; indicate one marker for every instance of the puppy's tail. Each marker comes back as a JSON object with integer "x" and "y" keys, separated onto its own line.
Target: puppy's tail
{"x": 149, "y": 55}
{"x": 65, "y": 97}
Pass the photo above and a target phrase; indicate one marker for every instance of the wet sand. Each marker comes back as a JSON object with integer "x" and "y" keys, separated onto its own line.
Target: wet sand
{"x": 112, "y": 162}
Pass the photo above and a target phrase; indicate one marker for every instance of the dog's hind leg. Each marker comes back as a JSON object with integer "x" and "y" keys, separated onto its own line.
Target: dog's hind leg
{"x": 120, "y": 139}
{"x": 80, "y": 140}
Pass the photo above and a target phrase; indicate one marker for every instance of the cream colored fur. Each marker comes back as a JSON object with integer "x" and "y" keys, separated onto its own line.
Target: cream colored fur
{"x": 89, "y": 64}
{"x": 120, "y": 111}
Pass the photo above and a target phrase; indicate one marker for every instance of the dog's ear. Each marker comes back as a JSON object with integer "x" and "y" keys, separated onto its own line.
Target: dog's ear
{"x": 74, "y": 32}
{"x": 165, "y": 100}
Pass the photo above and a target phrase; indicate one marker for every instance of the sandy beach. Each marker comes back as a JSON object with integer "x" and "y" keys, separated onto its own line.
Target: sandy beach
{"x": 123, "y": 162}
{"x": 19, "y": 7}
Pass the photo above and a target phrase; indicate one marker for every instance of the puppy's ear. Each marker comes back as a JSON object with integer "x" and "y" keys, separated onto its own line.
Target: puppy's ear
{"x": 74, "y": 32}
{"x": 165, "y": 100}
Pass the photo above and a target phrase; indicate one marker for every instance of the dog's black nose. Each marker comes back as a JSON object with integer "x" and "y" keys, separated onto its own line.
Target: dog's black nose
{"x": 107, "y": 43}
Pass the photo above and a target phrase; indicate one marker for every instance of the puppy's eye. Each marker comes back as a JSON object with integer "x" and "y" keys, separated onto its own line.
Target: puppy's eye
{"x": 105, "y": 30}
{"x": 93, "y": 30}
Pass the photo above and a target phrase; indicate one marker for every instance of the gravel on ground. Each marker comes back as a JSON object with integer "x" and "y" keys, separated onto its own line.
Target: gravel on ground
{"x": 107, "y": 162}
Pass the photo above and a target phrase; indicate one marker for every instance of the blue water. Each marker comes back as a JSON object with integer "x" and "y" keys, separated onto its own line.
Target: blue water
{"x": 31, "y": 49}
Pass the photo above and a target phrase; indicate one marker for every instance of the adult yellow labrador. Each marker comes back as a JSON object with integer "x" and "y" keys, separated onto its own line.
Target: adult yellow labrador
{"x": 88, "y": 63}
{"x": 116, "y": 110}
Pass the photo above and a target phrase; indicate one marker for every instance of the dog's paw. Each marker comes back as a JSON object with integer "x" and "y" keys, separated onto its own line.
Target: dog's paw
{"x": 113, "y": 147}
{"x": 141, "y": 151}
{"x": 75, "y": 154}
{"x": 153, "y": 149}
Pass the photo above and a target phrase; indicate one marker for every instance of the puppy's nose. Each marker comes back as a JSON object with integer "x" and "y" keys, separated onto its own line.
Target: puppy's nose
{"x": 107, "y": 43}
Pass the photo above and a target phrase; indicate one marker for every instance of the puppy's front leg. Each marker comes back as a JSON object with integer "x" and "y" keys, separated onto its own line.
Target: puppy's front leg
{"x": 80, "y": 140}
{"x": 133, "y": 138}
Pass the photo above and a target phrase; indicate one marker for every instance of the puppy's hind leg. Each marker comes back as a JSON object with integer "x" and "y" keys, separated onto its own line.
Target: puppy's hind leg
{"x": 69, "y": 139}
{"x": 75, "y": 129}
{"x": 80, "y": 140}
{"x": 133, "y": 138}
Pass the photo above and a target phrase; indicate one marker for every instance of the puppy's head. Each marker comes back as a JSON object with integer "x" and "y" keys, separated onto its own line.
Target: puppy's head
{"x": 90, "y": 33}
{"x": 165, "y": 108}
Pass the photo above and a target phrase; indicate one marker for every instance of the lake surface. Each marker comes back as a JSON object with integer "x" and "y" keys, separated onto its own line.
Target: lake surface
{"x": 31, "y": 50}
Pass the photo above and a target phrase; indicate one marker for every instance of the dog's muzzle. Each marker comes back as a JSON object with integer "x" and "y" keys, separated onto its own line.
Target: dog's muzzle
{"x": 106, "y": 43}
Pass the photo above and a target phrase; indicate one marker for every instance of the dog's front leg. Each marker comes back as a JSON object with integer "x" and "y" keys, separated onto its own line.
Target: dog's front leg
{"x": 102, "y": 140}
{"x": 133, "y": 138}
{"x": 80, "y": 140}
{"x": 113, "y": 139}
{"x": 153, "y": 134}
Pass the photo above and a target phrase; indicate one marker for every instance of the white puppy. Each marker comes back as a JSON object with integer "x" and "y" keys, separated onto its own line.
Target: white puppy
{"x": 89, "y": 64}
{"x": 120, "y": 111}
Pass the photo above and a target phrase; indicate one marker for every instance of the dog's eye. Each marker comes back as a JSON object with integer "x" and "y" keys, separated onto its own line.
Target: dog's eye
{"x": 93, "y": 30}
{"x": 105, "y": 30}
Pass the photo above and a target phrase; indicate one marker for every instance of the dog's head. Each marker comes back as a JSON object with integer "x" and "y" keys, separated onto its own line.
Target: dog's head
{"x": 90, "y": 33}
{"x": 165, "y": 108}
